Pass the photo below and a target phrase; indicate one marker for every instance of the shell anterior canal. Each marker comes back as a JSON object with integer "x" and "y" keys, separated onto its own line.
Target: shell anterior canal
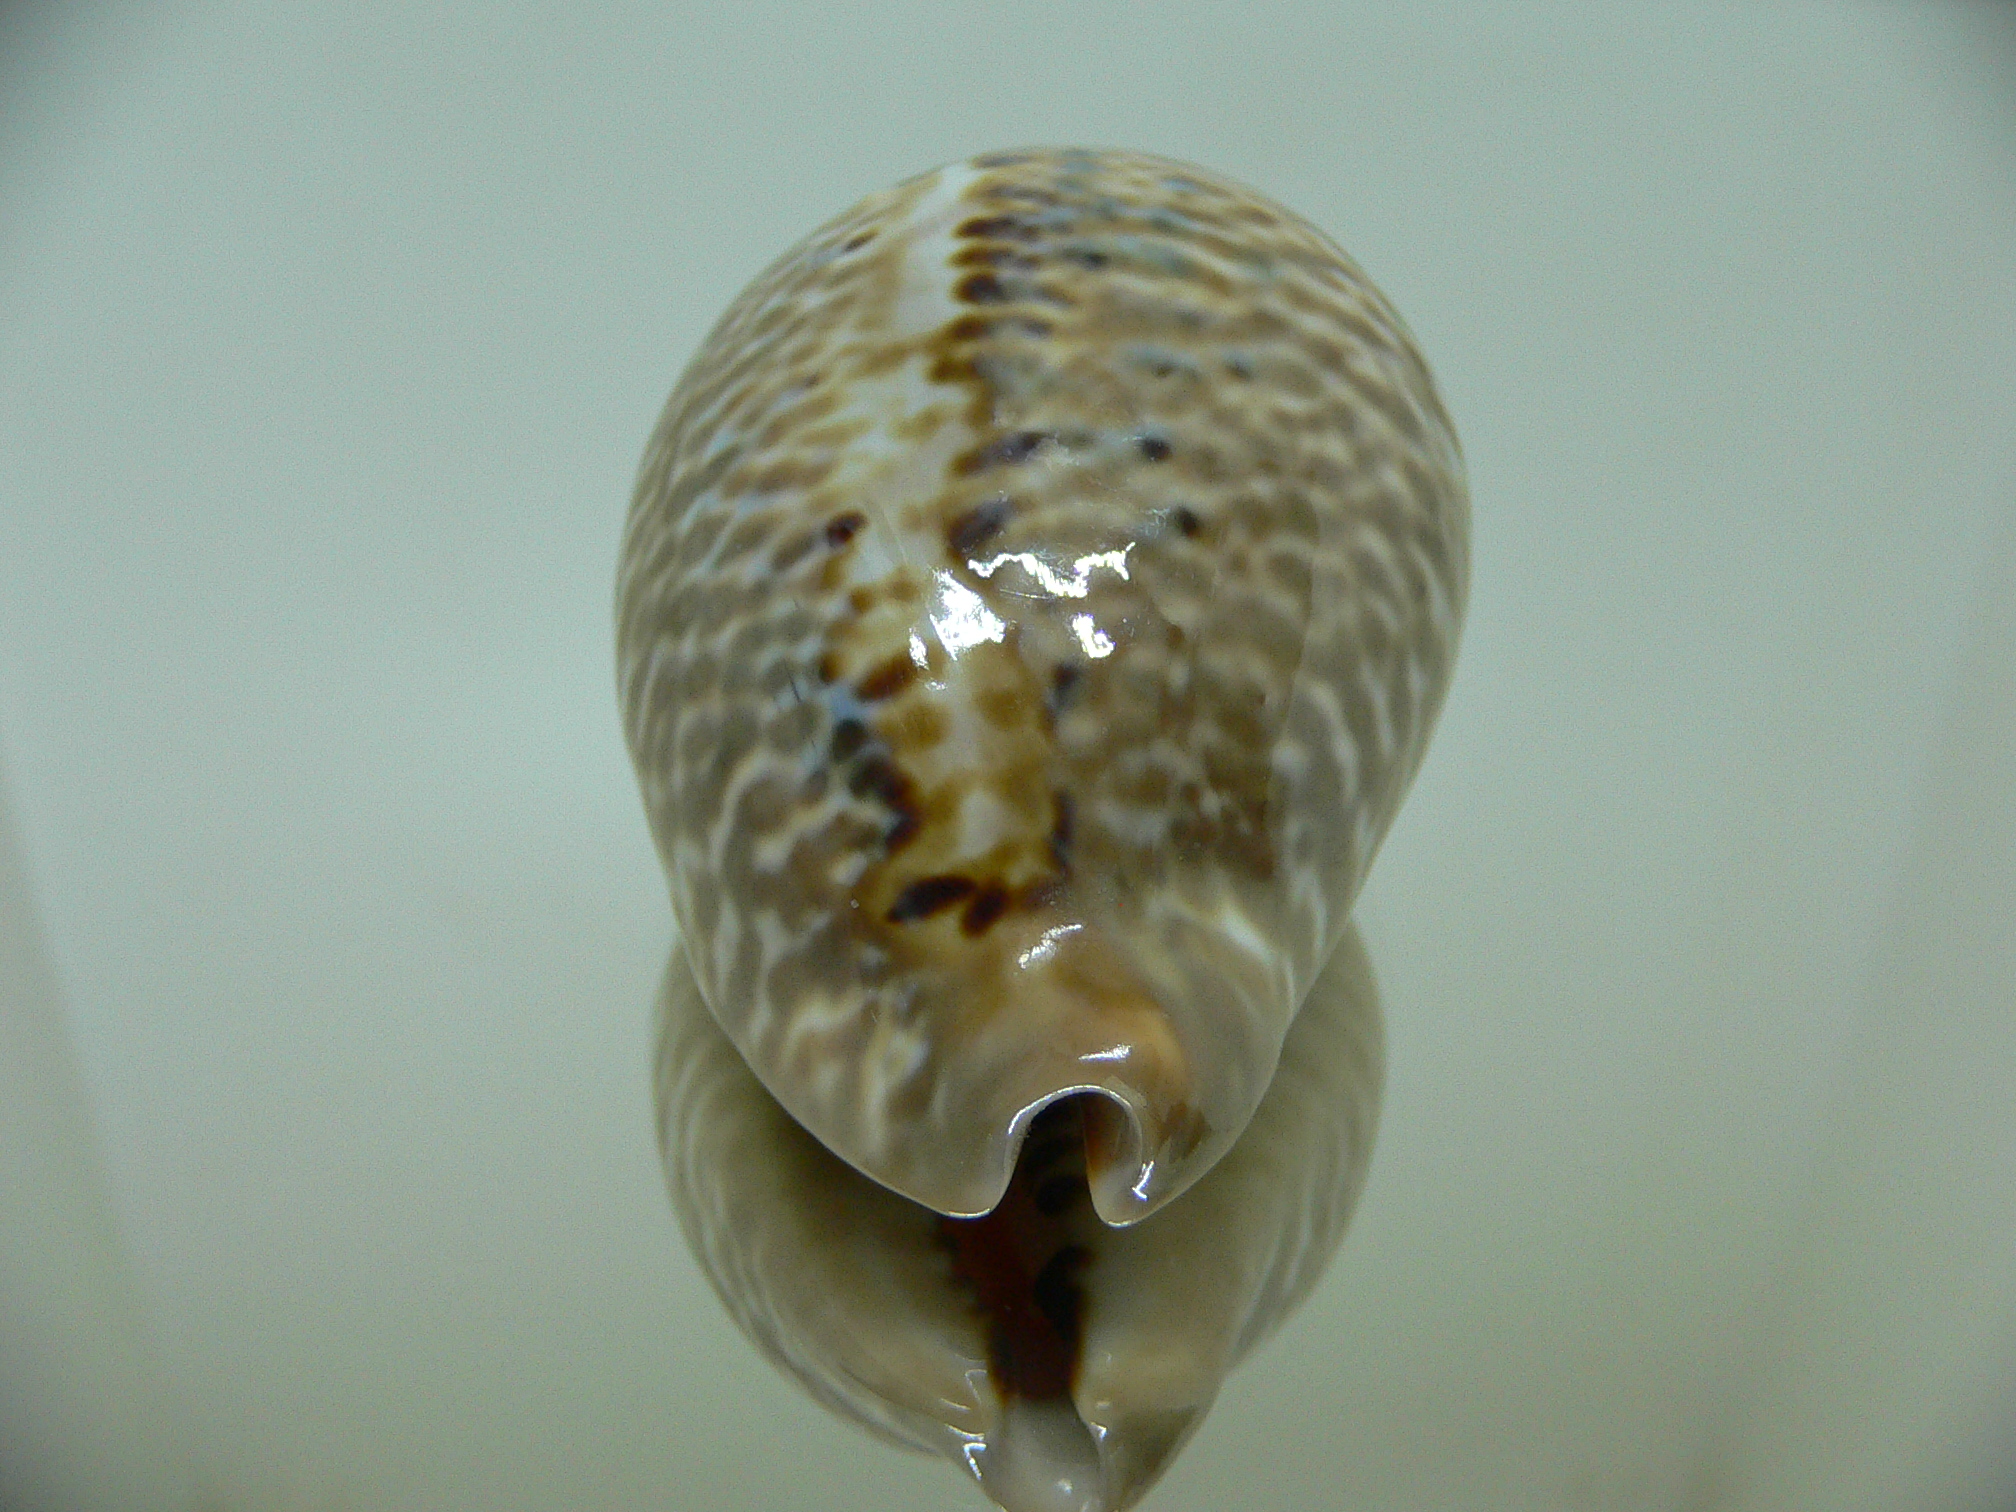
{"x": 1025, "y": 1262}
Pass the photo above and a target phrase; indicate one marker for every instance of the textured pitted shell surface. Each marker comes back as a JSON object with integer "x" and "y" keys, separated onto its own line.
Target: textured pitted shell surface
{"x": 1036, "y": 599}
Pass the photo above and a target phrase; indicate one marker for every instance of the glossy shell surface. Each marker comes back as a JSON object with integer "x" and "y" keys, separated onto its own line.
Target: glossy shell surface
{"x": 1036, "y": 600}
{"x": 1060, "y": 1362}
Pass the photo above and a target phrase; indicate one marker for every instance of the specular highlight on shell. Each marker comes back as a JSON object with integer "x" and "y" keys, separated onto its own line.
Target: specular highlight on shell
{"x": 1036, "y": 599}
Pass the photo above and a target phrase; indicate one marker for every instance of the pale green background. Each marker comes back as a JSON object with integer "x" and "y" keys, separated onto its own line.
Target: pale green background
{"x": 329, "y": 337}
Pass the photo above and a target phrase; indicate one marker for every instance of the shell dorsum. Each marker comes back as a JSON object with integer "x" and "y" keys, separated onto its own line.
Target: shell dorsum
{"x": 1036, "y": 599}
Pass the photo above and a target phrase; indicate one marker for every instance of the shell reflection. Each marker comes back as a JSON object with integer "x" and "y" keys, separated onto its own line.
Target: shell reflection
{"x": 1062, "y": 1361}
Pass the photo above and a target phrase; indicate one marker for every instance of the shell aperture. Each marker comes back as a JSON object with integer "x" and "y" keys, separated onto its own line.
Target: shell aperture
{"x": 1065, "y": 1369}
{"x": 1036, "y": 600}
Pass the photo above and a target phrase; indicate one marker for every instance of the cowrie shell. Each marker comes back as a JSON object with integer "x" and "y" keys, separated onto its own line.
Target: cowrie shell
{"x": 1035, "y": 603}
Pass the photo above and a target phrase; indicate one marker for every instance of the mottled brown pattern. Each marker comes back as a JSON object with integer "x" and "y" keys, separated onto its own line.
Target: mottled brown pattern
{"x": 1080, "y": 526}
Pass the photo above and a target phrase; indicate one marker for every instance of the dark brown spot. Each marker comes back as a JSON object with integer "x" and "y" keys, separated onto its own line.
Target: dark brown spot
{"x": 1061, "y": 827}
{"x": 1022, "y": 1269}
{"x": 848, "y": 737}
{"x": 928, "y": 896}
{"x": 1186, "y": 519}
{"x": 1154, "y": 448}
{"x": 997, "y": 228}
{"x": 878, "y": 777}
{"x": 980, "y": 327}
{"x": 947, "y": 369}
{"x": 842, "y": 528}
{"x": 989, "y": 905}
{"x": 1004, "y": 451}
{"x": 1058, "y": 1193}
{"x": 1064, "y": 679}
{"x": 1056, "y": 1289}
{"x": 981, "y": 288}
{"x": 904, "y": 830}
{"x": 978, "y": 525}
{"x": 829, "y": 668}
{"x": 857, "y": 241}
{"x": 1086, "y": 257}
{"x": 887, "y": 680}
